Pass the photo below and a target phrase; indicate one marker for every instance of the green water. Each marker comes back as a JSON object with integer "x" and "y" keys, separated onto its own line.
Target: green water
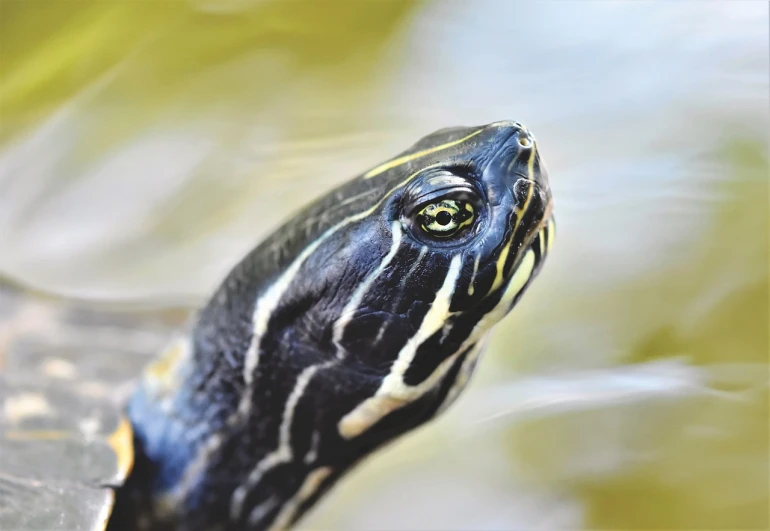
{"x": 145, "y": 146}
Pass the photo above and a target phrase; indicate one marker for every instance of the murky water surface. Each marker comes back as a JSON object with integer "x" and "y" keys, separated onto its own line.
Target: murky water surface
{"x": 144, "y": 147}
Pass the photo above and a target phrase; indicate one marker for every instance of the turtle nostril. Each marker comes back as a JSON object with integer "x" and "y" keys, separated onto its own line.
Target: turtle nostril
{"x": 524, "y": 139}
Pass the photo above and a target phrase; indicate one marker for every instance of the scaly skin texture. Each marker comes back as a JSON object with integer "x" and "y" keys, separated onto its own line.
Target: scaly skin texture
{"x": 355, "y": 322}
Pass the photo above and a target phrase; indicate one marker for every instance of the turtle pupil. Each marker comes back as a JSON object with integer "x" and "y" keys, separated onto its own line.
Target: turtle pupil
{"x": 444, "y": 218}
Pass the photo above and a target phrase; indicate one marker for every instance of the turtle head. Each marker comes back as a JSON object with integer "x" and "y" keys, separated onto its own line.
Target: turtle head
{"x": 459, "y": 226}
{"x": 353, "y": 323}
{"x": 465, "y": 204}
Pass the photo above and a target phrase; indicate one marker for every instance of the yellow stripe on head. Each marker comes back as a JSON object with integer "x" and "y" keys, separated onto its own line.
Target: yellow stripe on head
{"x": 412, "y": 156}
{"x": 551, "y": 233}
{"x": 500, "y": 265}
{"x": 531, "y": 162}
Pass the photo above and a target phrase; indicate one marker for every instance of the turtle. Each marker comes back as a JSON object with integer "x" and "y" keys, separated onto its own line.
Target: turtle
{"x": 361, "y": 318}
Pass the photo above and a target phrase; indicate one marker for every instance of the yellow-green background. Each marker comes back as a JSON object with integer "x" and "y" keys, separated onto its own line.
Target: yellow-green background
{"x": 145, "y": 146}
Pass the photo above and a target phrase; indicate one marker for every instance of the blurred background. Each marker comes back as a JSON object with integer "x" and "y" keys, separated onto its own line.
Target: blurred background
{"x": 146, "y": 146}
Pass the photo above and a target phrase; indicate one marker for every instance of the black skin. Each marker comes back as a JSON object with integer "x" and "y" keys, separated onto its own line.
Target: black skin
{"x": 491, "y": 170}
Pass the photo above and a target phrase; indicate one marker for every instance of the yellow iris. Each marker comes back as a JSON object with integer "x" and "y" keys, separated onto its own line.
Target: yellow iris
{"x": 445, "y": 218}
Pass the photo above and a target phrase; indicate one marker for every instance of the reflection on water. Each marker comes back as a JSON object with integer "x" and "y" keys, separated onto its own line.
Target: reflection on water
{"x": 144, "y": 147}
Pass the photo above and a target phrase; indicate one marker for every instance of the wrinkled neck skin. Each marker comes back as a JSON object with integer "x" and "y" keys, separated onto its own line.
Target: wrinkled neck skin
{"x": 217, "y": 451}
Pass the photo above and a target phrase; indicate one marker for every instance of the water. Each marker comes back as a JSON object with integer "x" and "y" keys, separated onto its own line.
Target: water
{"x": 145, "y": 147}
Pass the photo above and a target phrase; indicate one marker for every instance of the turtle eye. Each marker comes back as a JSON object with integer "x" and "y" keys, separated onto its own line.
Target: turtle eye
{"x": 445, "y": 218}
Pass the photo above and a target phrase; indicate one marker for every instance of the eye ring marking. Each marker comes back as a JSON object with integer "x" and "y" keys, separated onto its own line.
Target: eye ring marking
{"x": 446, "y": 217}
